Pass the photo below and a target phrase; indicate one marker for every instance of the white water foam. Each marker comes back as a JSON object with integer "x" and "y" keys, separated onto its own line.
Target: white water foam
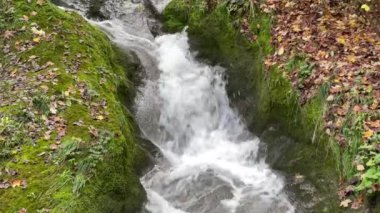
{"x": 213, "y": 160}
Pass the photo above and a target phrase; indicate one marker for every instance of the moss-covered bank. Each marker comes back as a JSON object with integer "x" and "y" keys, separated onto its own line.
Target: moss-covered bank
{"x": 67, "y": 139}
{"x": 264, "y": 97}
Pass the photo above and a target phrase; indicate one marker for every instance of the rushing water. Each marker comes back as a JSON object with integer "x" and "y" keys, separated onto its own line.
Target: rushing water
{"x": 211, "y": 162}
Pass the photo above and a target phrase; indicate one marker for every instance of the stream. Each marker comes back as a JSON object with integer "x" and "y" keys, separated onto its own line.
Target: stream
{"x": 210, "y": 162}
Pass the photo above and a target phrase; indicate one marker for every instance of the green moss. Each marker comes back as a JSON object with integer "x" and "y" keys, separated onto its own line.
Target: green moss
{"x": 101, "y": 173}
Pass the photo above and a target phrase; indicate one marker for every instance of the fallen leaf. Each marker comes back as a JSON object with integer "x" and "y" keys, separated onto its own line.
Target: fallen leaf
{"x": 8, "y": 34}
{"x": 37, "y": 40}
{"x": 53, "y": 110}
{"x": 330, "y": 98}
{"x": 40, "y": 2}
{"x": 100, "y": 117}
{"x": 4, "y": 185}
{"x": 360, "y": 167}
{"x": 38, "y": 32}
{"x": 373, "y": 124}
{"x": 345, "y": 203}
{"x": 16, "y": 183}
{"x": 25, "y": 18}
{"x": 341, "y": 40}
{"x": 53, "y": 146}
{"x": 357, "y": 108}
{"x": 365, "y": 7}
{"x": 281, "y": 51}
{"x": 367, "y": 134}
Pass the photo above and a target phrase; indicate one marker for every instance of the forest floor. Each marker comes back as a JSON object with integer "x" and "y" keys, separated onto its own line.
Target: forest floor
{"x": 333, "y": 45}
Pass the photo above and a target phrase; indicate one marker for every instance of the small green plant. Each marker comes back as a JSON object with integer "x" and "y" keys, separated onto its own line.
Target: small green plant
{"x": 369, "y": 155}
{"x": 302, "y": 65}
{"x": 5, "y": 124}
{"x": 12, "y": 135}
{"x": 79, "y": 183}
{"x": 40, "y": 102}
{"x": 68, "y": 149}
{"x": 83, "y": 163}
{"x": 238, "y": 7}
{"x": 306, "y": 70}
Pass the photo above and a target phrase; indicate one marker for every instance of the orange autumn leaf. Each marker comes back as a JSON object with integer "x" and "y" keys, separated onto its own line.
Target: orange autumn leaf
{"x": 367, "y": 134}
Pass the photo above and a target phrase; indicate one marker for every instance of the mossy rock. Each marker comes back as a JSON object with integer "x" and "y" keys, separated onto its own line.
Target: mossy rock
{"x": 76, "y": 149}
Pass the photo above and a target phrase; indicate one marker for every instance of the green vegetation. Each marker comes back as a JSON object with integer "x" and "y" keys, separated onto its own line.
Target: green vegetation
{"x": 267, "y": 95}
{"x": 67, "y": 140}
{"x": 237, "y": 35}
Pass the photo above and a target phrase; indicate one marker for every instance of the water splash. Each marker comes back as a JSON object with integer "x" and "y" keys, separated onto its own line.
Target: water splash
{"x": 213, "y": 163}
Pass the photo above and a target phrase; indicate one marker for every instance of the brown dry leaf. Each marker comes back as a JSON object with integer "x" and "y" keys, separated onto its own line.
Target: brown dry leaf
{"x": 53, "y": 146}
{"x": 8, "y": 34}
{"x": 296, "y": 28}
{"x": 357, "y": 108}
{"x": 373, "y": 124}
{"x": 356, "y": 204}
{"x": 16, "y": 183}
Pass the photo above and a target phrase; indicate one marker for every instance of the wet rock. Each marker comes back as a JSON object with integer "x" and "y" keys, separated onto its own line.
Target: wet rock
{"x": 210, "y": 202}
{"x": 95, "y": 10}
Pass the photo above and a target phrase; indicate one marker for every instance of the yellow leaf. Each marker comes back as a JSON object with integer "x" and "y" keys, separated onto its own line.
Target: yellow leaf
{"x": 368, "y": 134}
{"x": 296, "y": 28}
{"x": 351, "y": 58}
{"x": 100, "y": 117}
{"x": 44, "y": 87}
{"x": 341, "y": 40}
{"x": 281, "y": 51}
{"x": 360, "y": 167}
{"x": 37, "y": 40}
{"x": 365, "y": 7}
{"x": 345, "y": 203}
{"x": 279, "y": 38}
